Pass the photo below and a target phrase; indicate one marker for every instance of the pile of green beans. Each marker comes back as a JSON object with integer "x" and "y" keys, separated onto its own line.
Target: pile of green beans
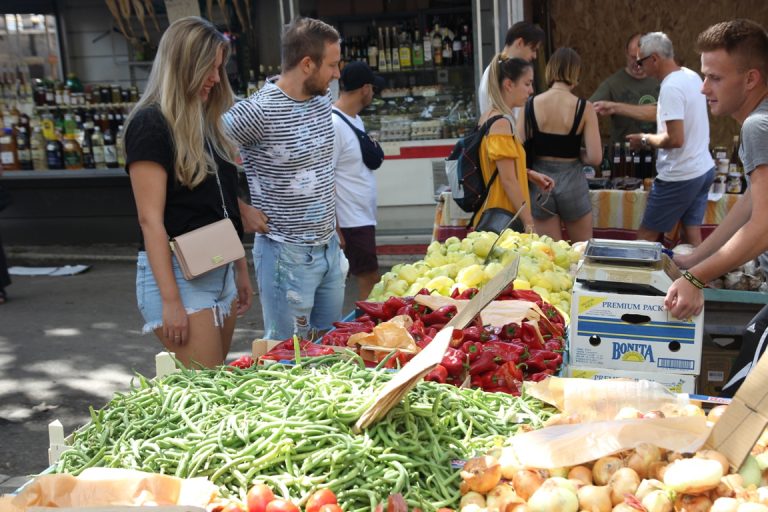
{"x": 291, "y": 428}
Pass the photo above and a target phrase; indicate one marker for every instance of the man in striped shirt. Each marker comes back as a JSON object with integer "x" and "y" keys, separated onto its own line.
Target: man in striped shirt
{"x": 286, "y": 137}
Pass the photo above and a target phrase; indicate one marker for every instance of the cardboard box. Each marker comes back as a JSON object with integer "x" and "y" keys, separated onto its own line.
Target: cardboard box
{"x": 633, "y": 333}
{"x": 716, "y": 365}
{"x": 677, "y": 383}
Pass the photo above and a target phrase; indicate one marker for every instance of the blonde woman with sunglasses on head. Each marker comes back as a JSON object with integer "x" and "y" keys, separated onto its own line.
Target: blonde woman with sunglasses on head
{"x": 561, "y": 122}
{"x": 183, "y": 176}
{"x": 509, "y": 86}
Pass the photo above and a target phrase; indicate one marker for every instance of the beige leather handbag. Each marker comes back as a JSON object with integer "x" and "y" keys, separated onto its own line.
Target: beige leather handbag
{"x": 209, "y": 247}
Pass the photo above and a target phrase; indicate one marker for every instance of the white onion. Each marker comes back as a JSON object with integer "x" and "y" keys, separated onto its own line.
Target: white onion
{"x": 693, "y": 475}
{"x": 581, "y": 473}
{"x": 501, "y": 496}
{"x": 551, "y": 497}
{"x": 715, "y": 455}
{"x": 647, "y": 486}
{"x": 472, "y": 498}
{"x": 644, "y": 455}
{"x": 595, "y": 498}
{"x": 508, "y": 462}
{"x": 752, "y": 507}
{"x": 623, "y": 481}
{"x": 604, "y": 468}
{"x": 725, "y": 505}
{"x": 657, "y": 501}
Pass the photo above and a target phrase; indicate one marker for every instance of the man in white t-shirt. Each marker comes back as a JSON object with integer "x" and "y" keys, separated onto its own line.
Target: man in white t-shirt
{"x": 684, "y": 167}
{"x": 355, "y": 182}
{"x": 522, "y": 41}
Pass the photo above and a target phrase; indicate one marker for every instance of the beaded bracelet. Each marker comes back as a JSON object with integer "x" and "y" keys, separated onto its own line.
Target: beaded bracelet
{"x": 695, "y": 281}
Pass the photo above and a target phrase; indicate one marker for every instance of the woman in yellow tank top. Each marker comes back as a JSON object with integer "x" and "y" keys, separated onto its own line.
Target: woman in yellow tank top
{"x": 509, "y": 85}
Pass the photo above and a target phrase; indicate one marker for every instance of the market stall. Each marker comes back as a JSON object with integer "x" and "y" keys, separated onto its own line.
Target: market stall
{"x": 616, "y": 214}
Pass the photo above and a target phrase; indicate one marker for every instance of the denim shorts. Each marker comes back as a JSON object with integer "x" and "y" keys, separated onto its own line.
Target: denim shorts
{"x": 673, "y": 201}
{"x": 301, "y": 287}
{"x": 570, "y": 197}
{"x": 215, "y": 290}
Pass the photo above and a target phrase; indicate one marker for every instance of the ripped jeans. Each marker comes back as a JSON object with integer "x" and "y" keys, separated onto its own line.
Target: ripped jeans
{"x": 301, "y": 287}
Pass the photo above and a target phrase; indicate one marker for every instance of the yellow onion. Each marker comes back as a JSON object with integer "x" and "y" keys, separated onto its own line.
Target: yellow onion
{"x": 715, "y": 455}
{"x": 657, "y": 501}
{"x": 624, "y": 481}
{"x": 725, "y": 505}
{"x": 558, "y": 472}
{"x": 644, "y": 455}
{"x": 481, "y": 474}
{"x": 604, "y": 468}
{"x": 693, "y": 503}
{"x": 730, "y": 486}
{"x": 472, "y": 498}
{"x": 501, "y": 496}
{"x": 526, "y": 482}
{"x": 595, "y": 498}
{"x": 517, "y": 507}
{"x": 554, "y": 495}
{"x": 472, "y": 507}
{"x": 581, "y": 473}
{"x": 691, "y": 476}
{"x": 648, "y": 486}
{"x": 656, "y": 470}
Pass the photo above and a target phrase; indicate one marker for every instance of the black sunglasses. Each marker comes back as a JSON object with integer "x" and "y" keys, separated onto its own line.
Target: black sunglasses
{"x": 640, "y": 61}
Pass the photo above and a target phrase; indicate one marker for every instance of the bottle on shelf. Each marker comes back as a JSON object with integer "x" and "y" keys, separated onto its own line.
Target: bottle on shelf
{"x": 637, "y": 164}
{"x": 394, "y": 50}
{"x": 373, "y": 49}
{"x": 23, "y": 151}
{"x": 97, "y": 147}
{"x": 8, "y": 156}
{"x": 629, "y": 170}
{"x": 119, "y": 148}
{"x": 37, "y": 149}
{"x": 406, "y": 61}
{"x": 87, "y": 146}
{"x": 617, "y": 170}
{"x": 382, "y": 54}
{"x": 605, "y": 165}
{"x": 429, "y": 62}
{"x": 418, "y": 51}
{"x": 466, "y": 45}
{"x": 457, "y": 50}
{"x": 437, "y": 45}
{"x": 54, "y": 152}
{"x": 252, "y": 86}
{"x": 73, "y": 154}
{"x": 110, "y": 150}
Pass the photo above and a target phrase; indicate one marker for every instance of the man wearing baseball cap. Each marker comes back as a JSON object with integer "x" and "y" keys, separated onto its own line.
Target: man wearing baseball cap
{"x": 356, "y": 156}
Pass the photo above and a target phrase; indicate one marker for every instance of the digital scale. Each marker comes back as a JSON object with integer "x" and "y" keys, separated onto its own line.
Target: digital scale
{"x": 626, "y": 266}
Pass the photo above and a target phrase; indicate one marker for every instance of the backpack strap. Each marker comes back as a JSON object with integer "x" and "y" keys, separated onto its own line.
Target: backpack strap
{"x": 485, "y": 128}
{"x": 580, "y": 106}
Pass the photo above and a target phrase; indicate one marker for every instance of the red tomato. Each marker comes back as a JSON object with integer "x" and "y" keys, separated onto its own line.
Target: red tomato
{"x": 258, "y": 497}
{"x": 281, "y": 505}
{"x": 320, "y": 498}
{"x": 330, "y": 507}
{"x": 232, "y": 507}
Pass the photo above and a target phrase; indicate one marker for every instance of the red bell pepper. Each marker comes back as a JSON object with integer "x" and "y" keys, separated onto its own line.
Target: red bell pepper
{"x": 539, "y": 376}
{"x": 441, "y": 315}
{"x": 453, "y": 361}
{"x": 508, "y": 377}
{"x": 455, "y": 293}
{"x": 505, "y": 351}
{"x": 375, "y": 310}
{"x": 540, "y": 360}
{"x": 337, "y": 338}
{"x": 486, "y": 362}
{"x": 439, "y": 374}
{"x": 555, "y": 345}
{"x": 392, "y": 305}
{"x": 468, "y": 294}
{"x": 473, "y": 349}
{"x": 510, "y": 331}
{"x": 457, "y": 338}
{"x": 530, "y": 337}
{"x": 243, "y": 362}
{"x": 472, "y": 333}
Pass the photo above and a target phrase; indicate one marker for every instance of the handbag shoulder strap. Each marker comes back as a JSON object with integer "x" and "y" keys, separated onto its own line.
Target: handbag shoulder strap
{"x": 355, "y": 129}
{"x": 218, "y": 181}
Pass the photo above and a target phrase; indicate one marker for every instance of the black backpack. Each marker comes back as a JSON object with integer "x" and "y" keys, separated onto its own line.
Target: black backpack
{"x": 462, "y": 166}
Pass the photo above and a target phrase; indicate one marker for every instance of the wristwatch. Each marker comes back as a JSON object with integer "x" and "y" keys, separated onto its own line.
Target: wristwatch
{"x": 644, "y": 141}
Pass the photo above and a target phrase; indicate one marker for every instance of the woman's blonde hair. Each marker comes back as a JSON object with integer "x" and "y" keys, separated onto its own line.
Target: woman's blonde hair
{"x": 502, "y": 67}
{"x": 185, "y": 56}
{"x": 564, "y": 66}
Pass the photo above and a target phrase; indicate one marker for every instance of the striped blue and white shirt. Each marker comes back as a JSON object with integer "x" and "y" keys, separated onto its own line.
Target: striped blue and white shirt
{"x": 287, "y": 151}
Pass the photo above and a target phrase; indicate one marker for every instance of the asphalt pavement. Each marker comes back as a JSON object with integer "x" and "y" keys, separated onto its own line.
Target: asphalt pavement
{"x": 70, "y": 343}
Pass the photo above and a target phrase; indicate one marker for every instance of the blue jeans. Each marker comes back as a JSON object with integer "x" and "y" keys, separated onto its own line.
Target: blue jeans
{"x": 301, "y": 287}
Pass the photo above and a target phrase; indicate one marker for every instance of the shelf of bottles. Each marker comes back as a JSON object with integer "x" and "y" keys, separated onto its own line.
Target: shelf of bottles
{"x": 49, "y": 126}
{"x": 429, "y": 91}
